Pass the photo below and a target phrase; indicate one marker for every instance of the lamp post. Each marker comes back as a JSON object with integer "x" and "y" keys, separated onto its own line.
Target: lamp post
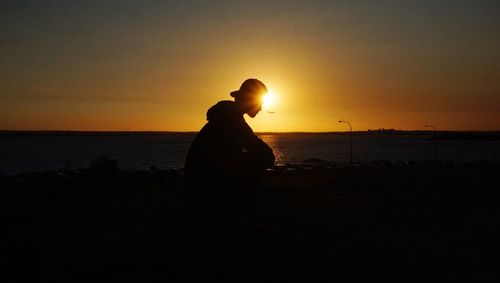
{"x": 435, "y": 141}
{"x": 350, "y": 128}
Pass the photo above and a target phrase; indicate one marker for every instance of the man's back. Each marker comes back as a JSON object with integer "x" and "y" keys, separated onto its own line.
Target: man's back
{"x": 216, "y": 152}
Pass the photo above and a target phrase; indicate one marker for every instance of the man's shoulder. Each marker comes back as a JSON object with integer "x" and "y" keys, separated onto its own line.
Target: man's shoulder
{"x": 224, "y": 111}
{"x": 225, "y": 103}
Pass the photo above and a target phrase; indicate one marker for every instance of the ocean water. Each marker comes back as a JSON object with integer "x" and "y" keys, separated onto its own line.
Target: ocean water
{"x": 52, "y": 151}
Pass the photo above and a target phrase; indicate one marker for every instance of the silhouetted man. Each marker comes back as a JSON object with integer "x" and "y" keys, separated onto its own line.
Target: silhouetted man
{"x": 226, "y": 159}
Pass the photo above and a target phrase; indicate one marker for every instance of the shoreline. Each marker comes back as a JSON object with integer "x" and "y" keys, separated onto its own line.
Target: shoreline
{"x": 311, "y": 164}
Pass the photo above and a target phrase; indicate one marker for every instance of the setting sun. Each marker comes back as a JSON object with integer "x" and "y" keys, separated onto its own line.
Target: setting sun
{"x": 268, "y": 101}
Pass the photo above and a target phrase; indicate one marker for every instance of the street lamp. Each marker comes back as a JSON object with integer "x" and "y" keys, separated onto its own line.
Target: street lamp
{"x": 347, "y": 122}
{"x": 435, "y": 140}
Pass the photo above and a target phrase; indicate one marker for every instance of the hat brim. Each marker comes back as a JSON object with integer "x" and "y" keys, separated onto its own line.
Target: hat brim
{"x": 234, "y": 93}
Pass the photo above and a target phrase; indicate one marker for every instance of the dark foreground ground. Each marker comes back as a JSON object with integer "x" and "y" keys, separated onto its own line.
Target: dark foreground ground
{"x": 410, "y": 222}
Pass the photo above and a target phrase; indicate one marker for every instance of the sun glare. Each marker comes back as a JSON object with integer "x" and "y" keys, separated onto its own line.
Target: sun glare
{"x": 268, "y": 100}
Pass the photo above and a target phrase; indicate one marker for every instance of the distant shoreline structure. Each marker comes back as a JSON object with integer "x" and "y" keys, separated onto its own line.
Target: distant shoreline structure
{"x": 436, "y": 135}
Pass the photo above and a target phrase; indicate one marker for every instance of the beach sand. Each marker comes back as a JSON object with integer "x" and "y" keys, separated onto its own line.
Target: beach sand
{"x": 306, "y": 223}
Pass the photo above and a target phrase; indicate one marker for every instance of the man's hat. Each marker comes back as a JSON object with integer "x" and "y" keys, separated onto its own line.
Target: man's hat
{"x": 250, "y": 86}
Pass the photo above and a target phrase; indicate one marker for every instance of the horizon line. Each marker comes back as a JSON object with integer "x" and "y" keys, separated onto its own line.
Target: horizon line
{"x": 260, "y": 132}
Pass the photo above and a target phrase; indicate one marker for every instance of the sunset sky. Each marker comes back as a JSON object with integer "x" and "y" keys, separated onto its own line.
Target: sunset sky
{"x": 159, "y": 65}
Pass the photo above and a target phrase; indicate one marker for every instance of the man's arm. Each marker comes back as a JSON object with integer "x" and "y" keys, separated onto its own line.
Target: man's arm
{"x": 258, "y": 148}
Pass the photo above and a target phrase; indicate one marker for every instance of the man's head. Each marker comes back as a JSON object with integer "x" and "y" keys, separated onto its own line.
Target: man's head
{"x": 250, "y": 95}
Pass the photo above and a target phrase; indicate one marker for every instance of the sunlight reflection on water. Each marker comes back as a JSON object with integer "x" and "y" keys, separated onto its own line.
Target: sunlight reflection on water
{"x": 164, "y": 150}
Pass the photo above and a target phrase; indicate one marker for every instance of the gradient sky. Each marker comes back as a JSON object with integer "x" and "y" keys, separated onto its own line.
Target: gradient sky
{"x": 159, "y": 65}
